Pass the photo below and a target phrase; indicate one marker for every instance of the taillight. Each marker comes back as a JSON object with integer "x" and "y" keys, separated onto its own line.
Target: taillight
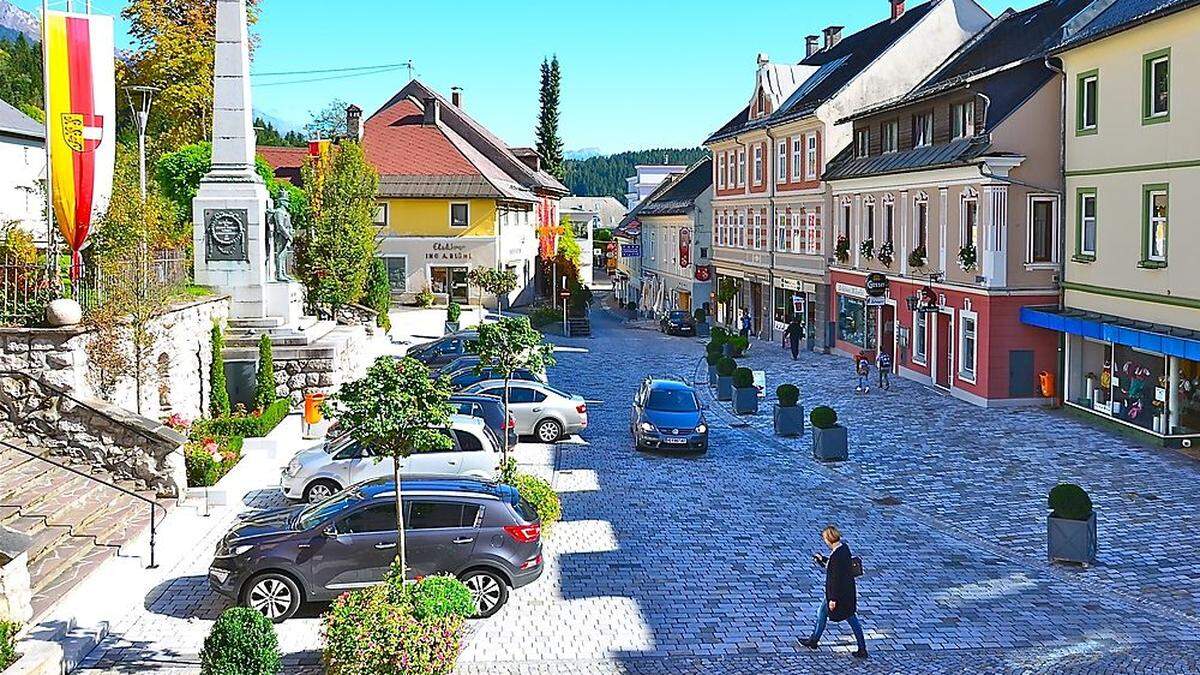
{"x": 581, "y": 408}
{"x": 524, "y": 534}
{"x": 512, "y": 424}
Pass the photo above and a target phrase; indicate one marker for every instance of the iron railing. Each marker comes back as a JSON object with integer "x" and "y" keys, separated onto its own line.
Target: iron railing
{"x": 153, "y": 504}
{"x": 27, "y": 287}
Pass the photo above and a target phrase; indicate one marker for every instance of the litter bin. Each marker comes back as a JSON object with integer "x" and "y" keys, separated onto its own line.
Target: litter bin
{"x": 1046, "y": 384}
{"x": 313, "y": 417}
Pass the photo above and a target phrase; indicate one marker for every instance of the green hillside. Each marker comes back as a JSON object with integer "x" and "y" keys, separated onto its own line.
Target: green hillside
{"x": 604, "y": 176}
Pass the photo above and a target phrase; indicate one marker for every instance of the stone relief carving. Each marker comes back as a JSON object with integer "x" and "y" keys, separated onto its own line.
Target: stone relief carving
{"x": 225, "y": 235}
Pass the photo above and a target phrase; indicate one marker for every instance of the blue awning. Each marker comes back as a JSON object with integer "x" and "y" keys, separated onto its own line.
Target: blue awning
{"x": 1167, "y": 340}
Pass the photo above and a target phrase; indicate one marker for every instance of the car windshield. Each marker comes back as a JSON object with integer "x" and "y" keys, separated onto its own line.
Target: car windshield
{"x": 679, "y": 316}
{"x": 324, "y": 510}
{"x": 672, "y": 400}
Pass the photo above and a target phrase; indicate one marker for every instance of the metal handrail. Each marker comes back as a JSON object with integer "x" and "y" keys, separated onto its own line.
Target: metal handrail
{"x": 153, "y": 504}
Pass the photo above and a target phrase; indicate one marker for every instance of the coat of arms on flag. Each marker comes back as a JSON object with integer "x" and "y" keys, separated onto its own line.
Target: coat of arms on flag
{"x": 82, "y": 132}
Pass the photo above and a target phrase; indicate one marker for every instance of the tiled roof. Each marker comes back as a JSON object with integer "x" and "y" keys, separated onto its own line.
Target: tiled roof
{"x": 836, "y": 67}
{"x": 13, "y": 122}
{"x": 286, "y": 161}
{"x": 441, "y": 187}
{"x": 680, "y": 195}
{"x": 397, "y": 142}
{"x": 1123, "y": 14}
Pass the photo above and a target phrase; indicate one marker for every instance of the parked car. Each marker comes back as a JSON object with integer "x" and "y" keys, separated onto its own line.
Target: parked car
{"x": 315, "y": 474}
{"x": 445, "y": 349}
{"x": 488, "y": 408}
{"x": 667, "y": 415}
{"x": 538, "y": 409}
{"x": 480, "y": 531}
{"x": 457, "y": 364}
{"x": 677, "y": 322}
{"x": 461, "y": 379}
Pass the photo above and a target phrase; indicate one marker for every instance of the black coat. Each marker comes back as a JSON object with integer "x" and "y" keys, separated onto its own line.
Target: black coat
{"x": 839, "y": 584}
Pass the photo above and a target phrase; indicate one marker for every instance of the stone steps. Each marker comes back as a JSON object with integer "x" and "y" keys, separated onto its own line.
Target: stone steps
{"x": 75, "y": 523}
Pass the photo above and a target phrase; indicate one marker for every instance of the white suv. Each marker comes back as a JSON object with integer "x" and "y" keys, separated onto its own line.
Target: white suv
{"x": 317, "y": 473}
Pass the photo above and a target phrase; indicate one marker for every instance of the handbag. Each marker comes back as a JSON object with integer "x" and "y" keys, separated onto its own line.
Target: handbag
{"x": 856, "y": 566}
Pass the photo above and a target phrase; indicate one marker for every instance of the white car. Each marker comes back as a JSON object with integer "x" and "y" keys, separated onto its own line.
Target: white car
{"x": 538, "y": 409}
{"x": 319, "y": 472}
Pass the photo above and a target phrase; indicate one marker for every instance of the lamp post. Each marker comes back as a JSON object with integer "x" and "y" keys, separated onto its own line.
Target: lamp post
{"x": 140, "y": 98}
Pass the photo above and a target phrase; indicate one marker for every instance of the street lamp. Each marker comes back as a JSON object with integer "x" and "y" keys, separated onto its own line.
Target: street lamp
{"x": 140, "y": 98}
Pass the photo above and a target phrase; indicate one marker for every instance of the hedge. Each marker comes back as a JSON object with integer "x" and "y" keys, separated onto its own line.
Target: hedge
{"x": 246, "y": 426}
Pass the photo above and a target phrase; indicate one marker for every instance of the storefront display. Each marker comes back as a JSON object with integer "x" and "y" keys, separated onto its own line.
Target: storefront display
{"x": 852, "y": 321}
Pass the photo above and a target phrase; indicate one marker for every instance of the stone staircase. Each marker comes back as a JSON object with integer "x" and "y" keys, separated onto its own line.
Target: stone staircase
{"x": 75, "y": 523}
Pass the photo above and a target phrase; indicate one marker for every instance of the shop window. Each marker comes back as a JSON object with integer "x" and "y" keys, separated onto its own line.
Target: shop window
{"x": 1043, "y": 228}
{"x": 459, "y": 214}
{"x": 1154, "y": 225}
{"x": 1138, "y": 392}
{"x": 852, "y": 321}
{"x": 1188, "y": 397}
{"x": 920, "y": 337}
{"x": 1156, "y": 87}
{"x": 967, "y": 342}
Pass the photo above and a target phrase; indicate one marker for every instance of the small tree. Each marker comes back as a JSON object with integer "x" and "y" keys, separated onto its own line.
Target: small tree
{"x": 497, "y": 282}
{"x": 396, "y": 409}
{"x": 379, "y": 294}
{"x": 218, "y": 395}
{"x": 264, "y": 385}
{"x": 509, "y": 345}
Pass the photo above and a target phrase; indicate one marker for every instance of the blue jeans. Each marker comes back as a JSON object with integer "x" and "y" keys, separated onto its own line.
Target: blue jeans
{"x": 823, "y": 617}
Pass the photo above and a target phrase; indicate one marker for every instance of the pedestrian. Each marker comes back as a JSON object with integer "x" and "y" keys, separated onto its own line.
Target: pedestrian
{"x": 745, "y": 323}
{"x": 841, "y": 596}
{"x": 792, "y": 335}
{"x": 884, "y": 363}
{"x": 862, "y": 367}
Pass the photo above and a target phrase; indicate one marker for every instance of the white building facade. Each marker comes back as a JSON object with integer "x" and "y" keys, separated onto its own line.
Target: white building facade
{"x": 22, "y": 171}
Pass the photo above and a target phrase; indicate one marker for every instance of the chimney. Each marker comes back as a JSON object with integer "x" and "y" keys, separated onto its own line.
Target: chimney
{"x": 456, "y": 96}
{"x": 897, "y": 8}
{"x": 833, "y": 35}
{"x": 529, "y": 157}
{"x": 811, "y": 45}
{"x": 433, "y": 112}
{"x": 354, "y": 122}
{"x": 763, "y": 59}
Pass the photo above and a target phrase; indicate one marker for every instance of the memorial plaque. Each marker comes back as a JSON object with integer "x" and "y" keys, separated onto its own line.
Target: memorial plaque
{"x": 225, "y": 235}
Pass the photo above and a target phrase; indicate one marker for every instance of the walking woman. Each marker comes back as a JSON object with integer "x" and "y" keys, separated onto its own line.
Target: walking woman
{"x": 841, "y": 597}
{"x": 792, "y": 335}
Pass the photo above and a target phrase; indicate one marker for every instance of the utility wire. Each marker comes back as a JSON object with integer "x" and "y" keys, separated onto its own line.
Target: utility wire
{"x": 329, "y": 77}
{"x": 331, "y": 70}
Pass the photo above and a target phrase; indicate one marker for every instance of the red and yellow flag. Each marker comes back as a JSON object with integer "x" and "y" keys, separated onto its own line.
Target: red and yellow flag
{"x": 81, "y": 120}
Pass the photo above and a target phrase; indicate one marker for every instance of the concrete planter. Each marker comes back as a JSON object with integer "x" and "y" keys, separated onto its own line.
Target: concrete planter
{"x": 789, "y": 420}
{"x": 1071, "y": 540}
{"x": 703, "y": 329}
{"x": 745, "y": 400}
{"x": 712, "y": 375}
{"x": 724, "y": 388}
{"x": 451, "y": 327}
{"x": 830, "y": 445}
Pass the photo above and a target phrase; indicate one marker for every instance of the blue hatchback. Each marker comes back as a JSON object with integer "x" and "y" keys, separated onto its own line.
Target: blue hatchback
{"x": 667, "y": 415}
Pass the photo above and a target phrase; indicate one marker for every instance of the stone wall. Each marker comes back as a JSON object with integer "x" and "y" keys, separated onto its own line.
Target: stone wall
{"x": 338, "y": 357}
{"x": 16, "y": 597}
{"x": 175, "y": 373}
{"x": 93, "y": 433}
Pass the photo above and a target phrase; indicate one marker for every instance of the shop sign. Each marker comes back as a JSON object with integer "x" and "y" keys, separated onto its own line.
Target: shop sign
{"x": 685, "y": 247}
{"x": 449, "y": 251}
{"x": 703, "y": 272}
{"x": 851, "y": 291}
{"x": 876, "y": 285}
{"x": 873, "y": 301}
{"x": 631, "y": 250}
{"x": 789, "y": 284}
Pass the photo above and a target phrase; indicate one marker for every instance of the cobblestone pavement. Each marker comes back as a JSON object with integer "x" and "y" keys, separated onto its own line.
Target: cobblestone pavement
{"x": 675, "y": 564}
{"x": 700, "y": 564}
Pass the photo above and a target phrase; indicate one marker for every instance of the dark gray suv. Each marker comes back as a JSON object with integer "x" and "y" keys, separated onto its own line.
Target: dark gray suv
{"x": 481, "y": 532}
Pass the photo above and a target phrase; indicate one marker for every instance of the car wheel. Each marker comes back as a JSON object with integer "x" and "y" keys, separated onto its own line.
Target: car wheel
{"x": 273, "y": 594}
{"x": 548, "y": 431}
{"x": 320, "y": 490}
{"x": 488, "y": 592}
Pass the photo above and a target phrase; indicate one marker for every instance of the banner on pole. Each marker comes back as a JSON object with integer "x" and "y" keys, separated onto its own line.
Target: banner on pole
{"x": 81, "y": 117}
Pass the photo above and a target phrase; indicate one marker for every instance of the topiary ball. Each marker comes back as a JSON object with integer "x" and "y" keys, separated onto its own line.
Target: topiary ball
{"x": 743, "y": 378}
{"x": 726, "y": 366}
{"x": 823, "y": 417}
{"x": 712, "y": 358}
{"x": 242, "y": 642}
{"x": 1070, "y": 501}
{"x": 788, "y": 395}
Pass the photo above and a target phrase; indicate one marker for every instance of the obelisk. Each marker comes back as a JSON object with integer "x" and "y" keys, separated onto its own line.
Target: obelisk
{"x": 230, "y": 235}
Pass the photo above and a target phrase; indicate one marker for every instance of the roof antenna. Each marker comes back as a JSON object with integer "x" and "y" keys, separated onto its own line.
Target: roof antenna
{"x": 409, "y": 65}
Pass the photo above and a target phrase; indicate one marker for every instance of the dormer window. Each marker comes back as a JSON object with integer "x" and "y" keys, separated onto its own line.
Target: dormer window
{"x": 862, "y": 142}
{"x": 891, "y": 135}
{"x": 922, "y": 130}
{"x": 760, "y": 106}
{"x": 962, "y": 120}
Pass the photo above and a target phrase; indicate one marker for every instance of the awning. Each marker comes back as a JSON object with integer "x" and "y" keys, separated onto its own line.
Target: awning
{"x": 1150, "y": 337}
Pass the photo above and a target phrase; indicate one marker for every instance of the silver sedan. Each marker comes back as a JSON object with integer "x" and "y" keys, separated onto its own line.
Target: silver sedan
{"x": 538, "y": 409}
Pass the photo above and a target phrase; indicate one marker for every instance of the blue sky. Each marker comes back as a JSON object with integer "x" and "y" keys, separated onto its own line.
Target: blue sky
{"x": 636, "y": 74}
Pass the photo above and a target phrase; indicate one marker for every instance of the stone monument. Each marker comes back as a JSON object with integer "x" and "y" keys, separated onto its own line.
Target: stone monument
{"x": 231, "y": 236}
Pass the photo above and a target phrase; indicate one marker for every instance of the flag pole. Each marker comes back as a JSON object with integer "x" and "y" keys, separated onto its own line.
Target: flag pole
{"x": 51, "y": 244}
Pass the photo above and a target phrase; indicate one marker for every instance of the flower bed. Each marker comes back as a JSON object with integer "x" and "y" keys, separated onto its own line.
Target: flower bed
{"x": 210, "y": 458}
{"x": 252, "y": 424}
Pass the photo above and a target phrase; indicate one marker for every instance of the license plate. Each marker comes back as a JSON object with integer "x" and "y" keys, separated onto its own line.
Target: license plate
{"x": 676, "y": 441}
